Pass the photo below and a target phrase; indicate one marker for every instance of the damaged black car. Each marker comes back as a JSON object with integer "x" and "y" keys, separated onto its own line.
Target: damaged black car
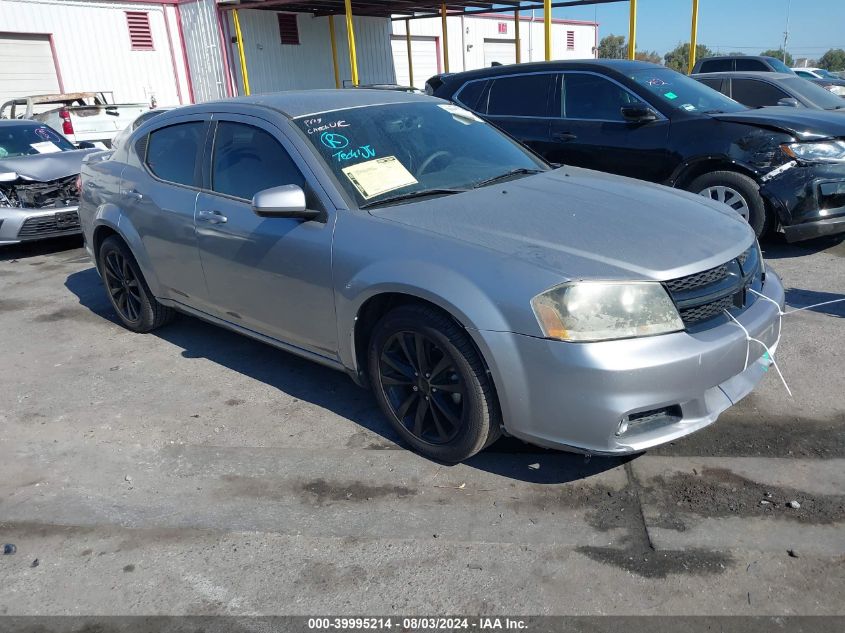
{"x": 780, "y": 168}
{"x": 39, "y": 193}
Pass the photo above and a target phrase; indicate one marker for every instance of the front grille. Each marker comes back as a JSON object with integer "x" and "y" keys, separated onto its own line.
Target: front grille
{"x": 62, "y": 222}
{"x": 703, "y": 296}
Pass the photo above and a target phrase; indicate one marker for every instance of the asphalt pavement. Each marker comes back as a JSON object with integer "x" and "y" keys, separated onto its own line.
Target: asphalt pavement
{"x": 194, "y": 471}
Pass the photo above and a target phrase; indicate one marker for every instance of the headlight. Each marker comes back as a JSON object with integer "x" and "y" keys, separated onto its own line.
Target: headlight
{"x": 820, "y": 152}
{"x": 600, "y": 311}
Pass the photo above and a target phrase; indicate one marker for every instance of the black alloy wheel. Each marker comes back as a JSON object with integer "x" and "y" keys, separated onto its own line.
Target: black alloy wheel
{"x": 123, "y": 286}
{"x": 422, "y": 386}
{"x": 130, "y": 296}
{"x": 432, "y": 384}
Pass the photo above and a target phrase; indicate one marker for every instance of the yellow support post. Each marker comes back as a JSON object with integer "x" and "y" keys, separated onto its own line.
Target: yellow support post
{"x": 693, "y": 40}
{"x": 410, "y": 57}
{"x": 547, "y": 27}
{"x": 241, "y": 55}
{"x": 350, "y": 34}
{"x": 632, "y": 31}
{"x": 516, "y": 36}
{"x": 445, "y": 31}
{"x": 334, "y": 52}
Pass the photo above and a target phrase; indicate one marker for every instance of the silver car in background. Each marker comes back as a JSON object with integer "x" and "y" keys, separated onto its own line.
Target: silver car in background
{"x": 473, "y": 287}
{"x": 39, "y": 169}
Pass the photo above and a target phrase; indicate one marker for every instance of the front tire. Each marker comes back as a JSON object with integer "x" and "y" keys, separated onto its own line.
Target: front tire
{"x": 432, "y": 385}
{"x": 127, "y": 290}
{"x": 739, "y": 192}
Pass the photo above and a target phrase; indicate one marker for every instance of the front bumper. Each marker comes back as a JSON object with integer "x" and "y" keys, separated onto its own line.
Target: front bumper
{"x": 24, "y": 225}
{"x": 809, "y": 200}
{"x": 575, "y": 395}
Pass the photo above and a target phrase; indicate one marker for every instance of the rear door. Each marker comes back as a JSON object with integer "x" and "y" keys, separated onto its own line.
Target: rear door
{"x": 158, "y": 193}
{"x": 521, "y": 106}
{"x": 269, "y": 275}
{"x": 591, "y": 132}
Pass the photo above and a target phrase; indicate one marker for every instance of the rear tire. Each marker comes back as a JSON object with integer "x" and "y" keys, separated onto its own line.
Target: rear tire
{"x": 432, "y": 385}
{"x": 738, "y": 191}
{"x": 128, "y": 292}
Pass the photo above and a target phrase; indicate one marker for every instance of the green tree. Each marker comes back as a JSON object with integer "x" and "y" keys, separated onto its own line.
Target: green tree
{"x": 649, "y": 56}
{"x": 778, "y": 54}
{"x": 834, "y": 59}
{"x": 678, "y": 58}
{"x": 613, "y": 47}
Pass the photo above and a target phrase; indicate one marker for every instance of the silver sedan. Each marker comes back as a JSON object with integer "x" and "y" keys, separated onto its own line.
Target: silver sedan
{"x": 476, "y": 289}
{"x": 39, "y": 169}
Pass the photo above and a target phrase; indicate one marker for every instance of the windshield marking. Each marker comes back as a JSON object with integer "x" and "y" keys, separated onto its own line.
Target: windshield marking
{"x": 314, "y": 125}
{"x": 363, "y": 152}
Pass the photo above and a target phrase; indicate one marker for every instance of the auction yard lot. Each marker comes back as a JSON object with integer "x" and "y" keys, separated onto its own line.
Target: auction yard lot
{"x": 194, "y": 471}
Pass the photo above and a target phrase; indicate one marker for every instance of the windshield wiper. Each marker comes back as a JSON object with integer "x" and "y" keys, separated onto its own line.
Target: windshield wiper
{"x": 507, "y": 174}
{"x": 713, "y": 112}
{"x": 422, "y": 193}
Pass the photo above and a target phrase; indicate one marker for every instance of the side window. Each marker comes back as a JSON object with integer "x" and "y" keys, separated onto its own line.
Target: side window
{"x": 526, "y": 95}
{"x": 751, "y": 64}
{"x": 247, "y": 160}
{"x": 756, "y": 94}
{"x": 587, "y": 96}
{"x": 716, "y": 84}
{"x": 172, "y": 152}
{"x": 716, "y": 66}
{"x": 470, "y": 95}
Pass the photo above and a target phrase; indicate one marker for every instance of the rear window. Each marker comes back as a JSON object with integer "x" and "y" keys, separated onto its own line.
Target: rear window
{"x": 26, "y": 140}
{"x": 716, "y": 66}
{"x": 525, "y": 95}
{"x": 172, "y": 152}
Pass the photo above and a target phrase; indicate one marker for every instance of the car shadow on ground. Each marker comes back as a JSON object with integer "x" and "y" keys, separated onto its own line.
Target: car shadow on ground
{"x": 831, "y": 303}
{"x": 776, "y": 247}
{"x": 25, "y": 250}
{"x": 334, "y": 391}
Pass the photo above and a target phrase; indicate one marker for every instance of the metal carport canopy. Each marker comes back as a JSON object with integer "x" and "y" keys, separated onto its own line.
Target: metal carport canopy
{"x": 398, "y": 10}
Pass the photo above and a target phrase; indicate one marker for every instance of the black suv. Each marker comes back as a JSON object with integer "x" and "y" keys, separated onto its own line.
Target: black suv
{"x": 778, "y": 167}
{"x": 742, "y": 63}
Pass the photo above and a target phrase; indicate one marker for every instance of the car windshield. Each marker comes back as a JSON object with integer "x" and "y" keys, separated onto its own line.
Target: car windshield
{"x": 682, "y": 93}
{"x": 406, "y": 149}
{"x": 779, "y": 66}
{"x": 825, "y": 74}
{"x": 23, "y": 140}
{"x": 814, "y": 93}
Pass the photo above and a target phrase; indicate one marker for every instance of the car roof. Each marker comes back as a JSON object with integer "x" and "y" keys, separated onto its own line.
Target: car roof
{"x": 618, "y": 65}
{"x": 735, "y": 57}
{"x": 21, "y": 123}
{"x": 296, "y": 103}
{"x": 745, "y": 74}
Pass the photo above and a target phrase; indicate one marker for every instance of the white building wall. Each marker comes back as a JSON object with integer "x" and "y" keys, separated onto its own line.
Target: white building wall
{"x": 467, "y": 36}
{"x": 273, "y": 66}
{"x": 93, "y": 48}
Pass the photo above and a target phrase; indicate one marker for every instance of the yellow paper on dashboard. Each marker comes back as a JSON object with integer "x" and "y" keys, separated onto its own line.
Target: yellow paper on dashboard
{"x": 379, "y": 176}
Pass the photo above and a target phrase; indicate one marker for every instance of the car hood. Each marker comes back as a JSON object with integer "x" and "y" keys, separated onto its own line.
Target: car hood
{"x": 46, "y": 167}
{"x": 587, "y": 224}
{"x": 804, "y": 124}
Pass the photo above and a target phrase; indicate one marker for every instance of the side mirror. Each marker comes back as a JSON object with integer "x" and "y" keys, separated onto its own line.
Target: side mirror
{"x": 85, "y": 145}
{"x": 287, "y": 201}
{"x": 8, "y": 176}
{"x": 638, "y": 113}
{"x": 790, "y": 102}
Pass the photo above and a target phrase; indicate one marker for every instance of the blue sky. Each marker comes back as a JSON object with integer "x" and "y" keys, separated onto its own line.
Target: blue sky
{"x": 749, "y": 26}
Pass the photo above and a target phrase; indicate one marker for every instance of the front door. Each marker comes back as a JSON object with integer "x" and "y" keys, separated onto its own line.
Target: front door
{"x": 590, "y": 131}
{"x": 269, "y": 275}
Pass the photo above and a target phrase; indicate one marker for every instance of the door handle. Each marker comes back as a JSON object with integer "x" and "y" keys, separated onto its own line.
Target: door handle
{"x": 564, "y": 136}
{"x": 212, "y": 217}
{"x": 131, "y": 193}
